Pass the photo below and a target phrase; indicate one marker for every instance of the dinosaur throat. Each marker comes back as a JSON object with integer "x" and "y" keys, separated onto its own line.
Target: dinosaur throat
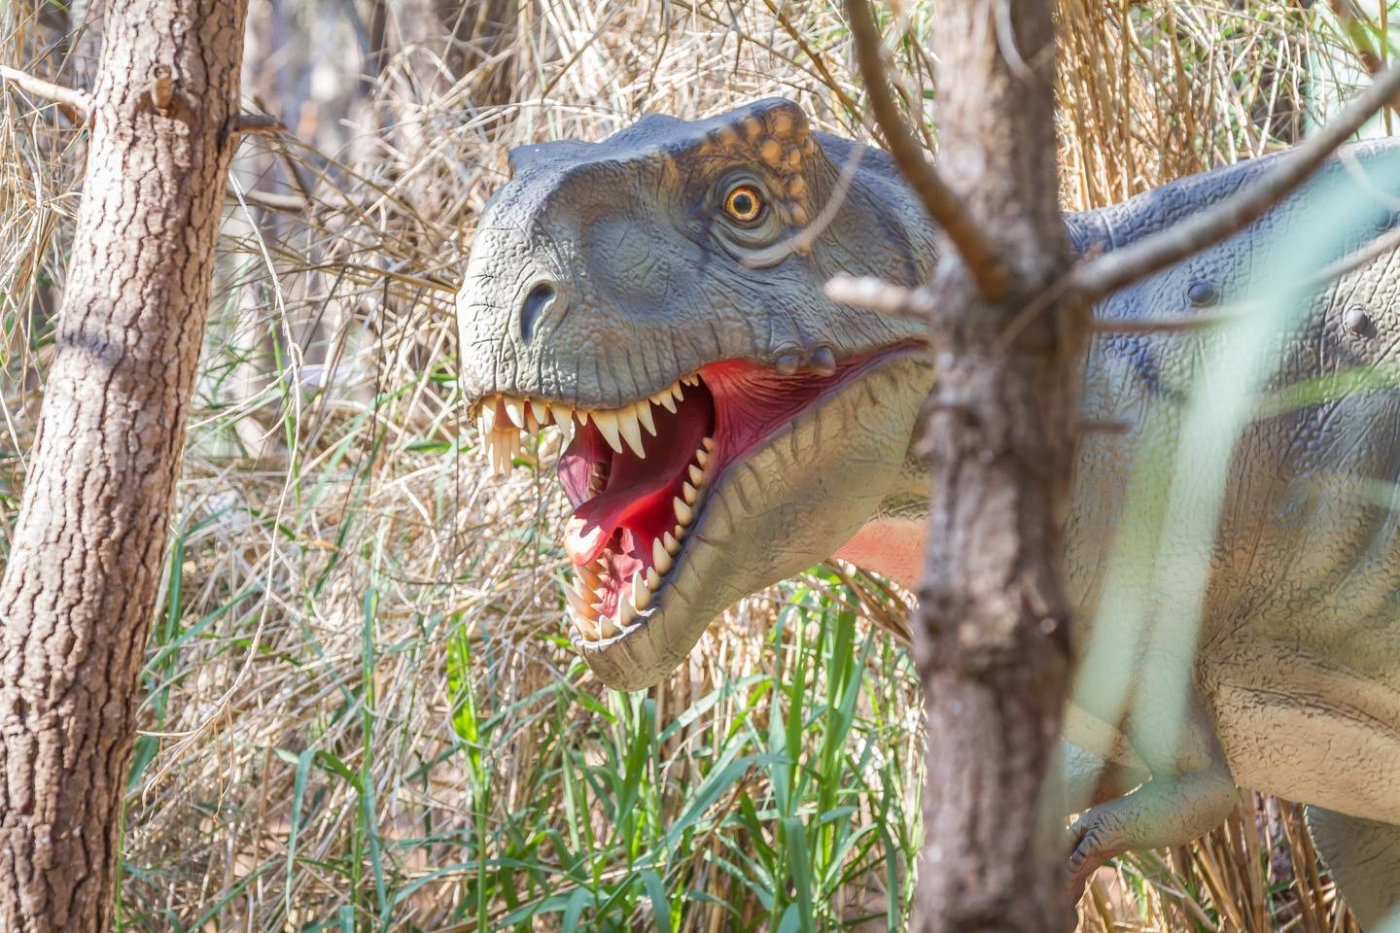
{"x": 639, "y": 476}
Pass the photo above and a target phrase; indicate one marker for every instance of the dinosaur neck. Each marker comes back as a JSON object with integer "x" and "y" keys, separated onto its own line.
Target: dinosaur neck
{"x": 890, "y": 545}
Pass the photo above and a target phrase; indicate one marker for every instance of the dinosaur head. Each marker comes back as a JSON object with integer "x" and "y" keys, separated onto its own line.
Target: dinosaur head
{"x": 659, "y": 294}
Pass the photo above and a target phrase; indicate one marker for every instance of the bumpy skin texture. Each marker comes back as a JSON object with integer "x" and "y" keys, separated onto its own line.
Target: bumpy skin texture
{"x": 1295, "y": 669}
{"x": 650, "y": 286}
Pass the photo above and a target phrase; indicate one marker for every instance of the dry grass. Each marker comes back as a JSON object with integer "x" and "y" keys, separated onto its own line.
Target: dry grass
{"x": 360, "y": 711}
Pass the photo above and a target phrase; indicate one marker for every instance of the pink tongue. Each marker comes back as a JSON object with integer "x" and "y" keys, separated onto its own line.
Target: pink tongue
{"x": 639, "y": 492}
{"x": 594, "y": 522}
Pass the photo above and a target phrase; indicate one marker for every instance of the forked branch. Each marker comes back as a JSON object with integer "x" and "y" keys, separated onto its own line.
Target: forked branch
{"x": 943, "y": 205}
{"x": 75, "y": 102}
{"x": 1102, "y": 277}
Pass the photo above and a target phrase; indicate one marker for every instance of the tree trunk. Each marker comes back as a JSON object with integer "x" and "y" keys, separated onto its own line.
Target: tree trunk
{"x": 991, "y": 640}
{"x": 81, "y": 585}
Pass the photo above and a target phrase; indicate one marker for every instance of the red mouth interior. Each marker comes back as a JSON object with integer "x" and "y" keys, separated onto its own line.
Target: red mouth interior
{"x": 623, "y": 503}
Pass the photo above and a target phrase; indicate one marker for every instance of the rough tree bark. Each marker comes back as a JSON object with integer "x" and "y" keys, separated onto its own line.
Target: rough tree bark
{"x": 80, "y": 588}
{"x": 991, "y": 638}
{"x": 1009, "y": 319}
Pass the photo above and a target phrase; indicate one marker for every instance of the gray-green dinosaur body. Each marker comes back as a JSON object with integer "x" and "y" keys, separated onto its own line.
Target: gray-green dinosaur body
{"x": 662, "y": 292}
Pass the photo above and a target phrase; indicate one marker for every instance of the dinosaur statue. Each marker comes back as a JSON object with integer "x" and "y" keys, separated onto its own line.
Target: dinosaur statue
{"x": 659, "y": 295}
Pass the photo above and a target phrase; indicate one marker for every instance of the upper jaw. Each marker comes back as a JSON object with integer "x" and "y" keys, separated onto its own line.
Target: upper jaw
{"x": 638, "y": 604}
{"x": 502, "y": 416}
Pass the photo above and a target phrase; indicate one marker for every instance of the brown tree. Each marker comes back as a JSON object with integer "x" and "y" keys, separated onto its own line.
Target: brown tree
{"x": 1009, "y": 318}
{"x": 991, "y": 640}
{"x": 80, "y": 588}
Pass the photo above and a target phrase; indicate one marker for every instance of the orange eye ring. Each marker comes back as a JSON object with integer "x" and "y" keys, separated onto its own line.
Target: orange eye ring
{"x": 744, "y": 203}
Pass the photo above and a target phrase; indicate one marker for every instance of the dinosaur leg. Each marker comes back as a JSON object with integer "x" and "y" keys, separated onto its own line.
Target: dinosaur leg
{"x": 1166, "y": 811}
{"x": 1090, "y": 779}
{"x": 1364, "y": 857}
{"x": 1190, "y": 793}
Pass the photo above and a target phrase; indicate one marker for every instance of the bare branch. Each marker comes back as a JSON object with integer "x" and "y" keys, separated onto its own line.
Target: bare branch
{"x": 878, "y": 295}
{"x": 817, "y": 59}
{"x": 1165, "y": 325}
{"x": 251, "y": 123}
{"x": 1101, "y": 277}
{"x": 285, "y": 203}
{"x": 802, "y": 240}
{"x": 882, "y": 297}
{"x": 1120, "y": 426}
{"x": 76, "y": 102}
{"x": 942, "y": 204}
{"x": 1352, "y": 261}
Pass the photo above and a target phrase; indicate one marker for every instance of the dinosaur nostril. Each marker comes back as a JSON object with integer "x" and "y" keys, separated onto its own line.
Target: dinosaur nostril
{"x": 540, "y": 297}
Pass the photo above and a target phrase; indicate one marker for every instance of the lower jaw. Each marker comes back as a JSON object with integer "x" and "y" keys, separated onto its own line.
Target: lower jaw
{"x": 718, "y": 566}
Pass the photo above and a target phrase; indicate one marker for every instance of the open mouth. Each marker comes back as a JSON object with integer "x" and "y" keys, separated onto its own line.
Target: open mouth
{"x": 639, "y": 476}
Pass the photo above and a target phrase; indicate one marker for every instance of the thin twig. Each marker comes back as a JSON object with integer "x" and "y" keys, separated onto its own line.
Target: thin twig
{"x": 817, "y": 59}
{"x": 880, "y": 296}
{"x": 1372, "y": 251}
{"x": 802, "y": 240}
{"x": 1171, "y": 324}
{"x": 883, "y": 297}
{"x": 76, "y": 101}
{"x": 264, "y": 123}
{"x": 286, "y": 203}
{"x": 942, "y": 204}
{"x": 1101, "y": 277}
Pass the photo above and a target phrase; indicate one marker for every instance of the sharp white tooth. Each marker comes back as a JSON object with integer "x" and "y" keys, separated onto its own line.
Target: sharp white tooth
{"x": 665, "y": 400}
{"x": 588, "y": 627}
{"x": 504, "y": 443}
{"x": 654, "y": 578}
{"x": 607, "y": 627}
{"x": 579, "y": 605}
{"x": 697, "y": 475}
{"x": 541, "y": 412}
{"x": 607, "y": 424}
{"x": 566, "y": 430}
{"x": 691, "y": 380}
{"x": 689, "y": 492}
{"x": 683, "y": 512}
{"x": 589, "y": 577}
{"x": 626, "y": 612}
{"x": 484, "y": 437}
{"x": 660, "y": 559}
{"x": 515, "y": 410}
{"x": 641, "y": 595}
{"x": 708, "y": 443}
{"x": 486, "y": 421}
{"x": 643, "y": 409}
{"x": 631, "y": 430}
{"x": 510, "y": 446}
{"x": 677, "y": 391}
{"x": 532, "y": 424}
{"x": 702, "y": 458}
{"x": 673, "y": 546}
{"x": 582, "y": 415}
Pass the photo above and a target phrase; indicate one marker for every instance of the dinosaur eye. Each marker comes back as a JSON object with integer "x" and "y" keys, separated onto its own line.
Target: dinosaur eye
{"x": 744, "y": 203}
